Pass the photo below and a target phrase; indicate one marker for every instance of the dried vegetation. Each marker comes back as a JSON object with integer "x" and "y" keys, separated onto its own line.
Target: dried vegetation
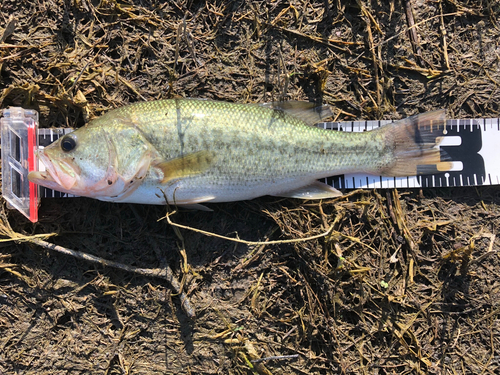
{"x": 403, "y": 282}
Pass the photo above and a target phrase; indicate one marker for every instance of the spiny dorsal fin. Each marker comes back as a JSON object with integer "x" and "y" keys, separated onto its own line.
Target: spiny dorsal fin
{"x": 184, "y": 166}
{"x": 310, "y": 113}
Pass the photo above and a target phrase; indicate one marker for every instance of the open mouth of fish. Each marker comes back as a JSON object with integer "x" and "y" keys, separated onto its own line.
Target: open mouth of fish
{"x": 58, "y": 176}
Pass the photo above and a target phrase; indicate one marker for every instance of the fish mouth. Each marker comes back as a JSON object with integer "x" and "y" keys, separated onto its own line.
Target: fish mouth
{"x": 58, "y": 175}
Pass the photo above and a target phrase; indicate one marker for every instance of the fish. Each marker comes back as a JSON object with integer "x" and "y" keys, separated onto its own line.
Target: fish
{"x": 187, "y": 152}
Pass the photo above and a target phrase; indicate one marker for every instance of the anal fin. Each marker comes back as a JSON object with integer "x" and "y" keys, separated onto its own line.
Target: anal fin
{"x": 196, "y": 207}
{"x": 192, "y": 201}
{"x": 316, "y": 190}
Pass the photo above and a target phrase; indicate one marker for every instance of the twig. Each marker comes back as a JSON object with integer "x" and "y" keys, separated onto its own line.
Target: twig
{"x": 412, "y": 33}
{"x": 488, "y": 252}
{"x": 189, "y": 43}
{"x": 329, "y": 232}
{"x": 443, "y": 34}
{"x": 20, "y": 238}
{"x": 9, "y": 29}
{"x": 130, "y": 86}
{"x": 252, "y": 243}
{"x": 325, "y": 41}
{"x": 426, "y": 72}
{"x": 400, "y": 221}
{"x": 376, "y": 65}
{"x": 163, "y": 273}
{"x": 275, "y": 358}
{"x": 254, "y": 253}
{"x": 177, "y": 42}
{"x": 404, "y": 31}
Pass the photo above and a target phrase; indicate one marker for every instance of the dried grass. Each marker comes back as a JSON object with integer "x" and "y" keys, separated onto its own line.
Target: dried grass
{"x": 387, "y": 281}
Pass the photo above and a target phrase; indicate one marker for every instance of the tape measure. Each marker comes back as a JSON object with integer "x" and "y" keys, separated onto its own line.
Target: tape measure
{"x": 473, "y": 146}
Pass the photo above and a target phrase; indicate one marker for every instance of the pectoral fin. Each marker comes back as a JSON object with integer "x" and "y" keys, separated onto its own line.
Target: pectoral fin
{"x": 316, "y": 190}
{"x": 185, "y": 166}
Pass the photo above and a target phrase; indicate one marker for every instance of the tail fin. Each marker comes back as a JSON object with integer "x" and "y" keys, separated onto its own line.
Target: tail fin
{"x": 415, "y": 142}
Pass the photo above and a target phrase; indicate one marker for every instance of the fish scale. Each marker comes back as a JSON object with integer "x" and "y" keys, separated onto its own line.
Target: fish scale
{"x": 272, "y": 142}
{"x": 192, "y": 151}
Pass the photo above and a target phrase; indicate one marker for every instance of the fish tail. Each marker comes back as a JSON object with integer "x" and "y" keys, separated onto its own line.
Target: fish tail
{"x": 414, "y": 142}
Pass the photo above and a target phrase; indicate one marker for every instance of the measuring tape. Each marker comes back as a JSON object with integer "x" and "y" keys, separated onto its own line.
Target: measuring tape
{"x": 473, "y": 146}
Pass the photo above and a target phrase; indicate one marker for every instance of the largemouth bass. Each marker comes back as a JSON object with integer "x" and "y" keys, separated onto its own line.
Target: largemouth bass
{"x": 191, "y": 151}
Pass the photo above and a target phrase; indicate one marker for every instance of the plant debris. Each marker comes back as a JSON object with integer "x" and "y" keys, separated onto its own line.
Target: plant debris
{"x": 399, "y": 281}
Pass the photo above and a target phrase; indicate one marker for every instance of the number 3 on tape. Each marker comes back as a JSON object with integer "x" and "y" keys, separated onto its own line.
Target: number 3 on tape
{"x": 473, "y": 146}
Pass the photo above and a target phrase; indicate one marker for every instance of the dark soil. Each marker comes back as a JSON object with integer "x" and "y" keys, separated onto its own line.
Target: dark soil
{"x": 407, "y": 282}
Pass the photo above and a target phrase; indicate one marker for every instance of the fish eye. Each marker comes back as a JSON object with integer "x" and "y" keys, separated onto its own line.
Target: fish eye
{"x": 68, "y": 143}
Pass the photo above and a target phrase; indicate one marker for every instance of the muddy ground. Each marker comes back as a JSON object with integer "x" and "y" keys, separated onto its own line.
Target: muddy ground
{"x": 406, "y": 282}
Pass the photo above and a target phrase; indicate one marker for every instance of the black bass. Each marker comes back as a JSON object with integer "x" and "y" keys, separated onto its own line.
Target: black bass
{"x": 191, "y": 151}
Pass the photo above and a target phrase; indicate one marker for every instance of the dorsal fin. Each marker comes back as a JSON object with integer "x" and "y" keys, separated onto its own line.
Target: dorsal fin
{"x": 310, "y": 113}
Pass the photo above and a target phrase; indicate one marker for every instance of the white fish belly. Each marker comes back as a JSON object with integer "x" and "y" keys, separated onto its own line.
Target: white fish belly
{"x": 198, "y": 190}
